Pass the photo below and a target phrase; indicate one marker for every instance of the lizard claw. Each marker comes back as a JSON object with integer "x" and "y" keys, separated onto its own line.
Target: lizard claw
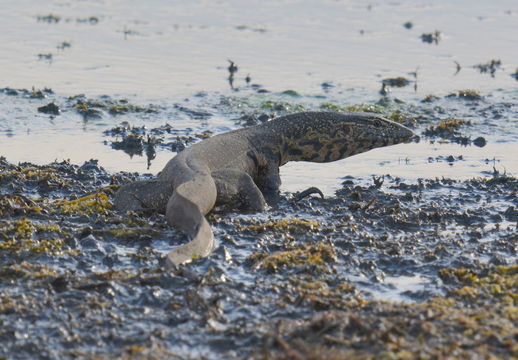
{"x": 309, "y": 191}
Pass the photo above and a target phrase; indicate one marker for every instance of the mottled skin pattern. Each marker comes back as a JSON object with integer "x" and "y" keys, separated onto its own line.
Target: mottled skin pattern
{"x": 242, "y": 167}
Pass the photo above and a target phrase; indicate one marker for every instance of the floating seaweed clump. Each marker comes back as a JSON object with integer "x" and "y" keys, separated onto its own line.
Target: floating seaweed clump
{"x": 91, "y": 108}
{"x": 489, "y": 67}
{"x": 466, "y": 94}
{"x": 399, "y": 81}
{"x": 446, "y": 128}
{"x": 430, "y": 98}
{"x": 431, "y": 38}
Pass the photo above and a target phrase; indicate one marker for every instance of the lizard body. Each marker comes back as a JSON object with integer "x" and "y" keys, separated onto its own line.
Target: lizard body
{"x": 242, "y": 166}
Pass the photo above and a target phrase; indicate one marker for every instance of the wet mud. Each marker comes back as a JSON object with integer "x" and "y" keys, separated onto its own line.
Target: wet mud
{"x": 387, "y": 268}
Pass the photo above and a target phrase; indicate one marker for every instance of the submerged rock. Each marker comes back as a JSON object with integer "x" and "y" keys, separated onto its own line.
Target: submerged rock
{"x": 50, "y": 108}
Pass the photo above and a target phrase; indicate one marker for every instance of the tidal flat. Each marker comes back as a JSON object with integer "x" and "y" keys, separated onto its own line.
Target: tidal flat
{"x": 385, "y": 265}
{"x": 411, "y": 253}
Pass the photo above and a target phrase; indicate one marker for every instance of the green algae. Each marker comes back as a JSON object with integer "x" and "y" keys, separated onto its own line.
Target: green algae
{"x": 87, "y": 110}
{"x": 317, "y": 255}
{"x": 125, "y": 232}
{"x": 284, "y": 106}
{"x": 23, "y": 236}
{"x": 123, "y": 109}
{"x": 329, "y": 106}
{"x": 293, "y": 225}
{"x": 322, "y": 290}
{"x": 21, "y": 229}
{"x": 11, "y": 204}
{"x": 307, "y": 296}
{"x": 53, "y": 246}
{"x": 26, "y": 270}
{"x": 135, "y": 349}
{"x": 455, "y": 326}
{"x": 399, "y": 117}
{"x": 396, "y": 115}
{"x": 7, "y": 305}
{"x": 31, "y": 174}
{"x": 333, "y": 316}
{"x": 115, "y": 275}
{"x": 500, "y": 284}
{"x": 90, "y": 108}
{"x": 374, "y": 108}
{"x": 278, "y": 105}
{"x": 204, "y": 135}
{"x": 90, "y": 204}
{"x": 452, "y": 124}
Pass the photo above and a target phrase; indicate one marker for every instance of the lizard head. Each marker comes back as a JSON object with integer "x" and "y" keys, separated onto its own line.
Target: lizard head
{"x": 328, "y": 136}
{"x": 366, "y": 131}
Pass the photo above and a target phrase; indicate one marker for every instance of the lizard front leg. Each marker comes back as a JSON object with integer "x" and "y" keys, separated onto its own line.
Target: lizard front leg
{"x": 237, "y": 187}
{"x": 269, "y": 181}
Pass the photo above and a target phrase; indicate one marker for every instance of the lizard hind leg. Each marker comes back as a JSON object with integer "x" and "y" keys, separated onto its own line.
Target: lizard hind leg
{"x": 143, "y": 194}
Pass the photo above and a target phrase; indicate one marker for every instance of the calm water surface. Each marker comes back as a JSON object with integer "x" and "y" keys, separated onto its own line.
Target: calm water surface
{"x": 162, "y": 48}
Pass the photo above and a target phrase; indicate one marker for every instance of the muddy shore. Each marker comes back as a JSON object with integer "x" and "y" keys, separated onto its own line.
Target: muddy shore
{"x": 386, "y": 268}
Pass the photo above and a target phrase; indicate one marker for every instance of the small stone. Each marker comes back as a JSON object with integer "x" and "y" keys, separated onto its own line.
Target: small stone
{"x": 90, "y": 242}
{"x": 480, "y": 141}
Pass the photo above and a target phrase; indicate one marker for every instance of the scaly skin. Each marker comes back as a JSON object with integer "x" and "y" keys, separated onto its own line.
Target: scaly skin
{"x": 242, "y": 166}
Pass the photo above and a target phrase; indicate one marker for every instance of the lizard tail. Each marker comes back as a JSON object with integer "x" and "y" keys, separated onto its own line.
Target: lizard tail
{"x": 186, "y": 211}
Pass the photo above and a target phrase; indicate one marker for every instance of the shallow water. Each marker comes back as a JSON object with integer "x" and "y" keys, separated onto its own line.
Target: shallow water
{"x": 165, "y": 48}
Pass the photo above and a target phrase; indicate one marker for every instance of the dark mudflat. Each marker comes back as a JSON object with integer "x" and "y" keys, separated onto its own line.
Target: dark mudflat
{"x": 315, "y": 278}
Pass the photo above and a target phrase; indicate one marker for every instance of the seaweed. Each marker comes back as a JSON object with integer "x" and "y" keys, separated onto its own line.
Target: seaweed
{"x": 93, "y": 203}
